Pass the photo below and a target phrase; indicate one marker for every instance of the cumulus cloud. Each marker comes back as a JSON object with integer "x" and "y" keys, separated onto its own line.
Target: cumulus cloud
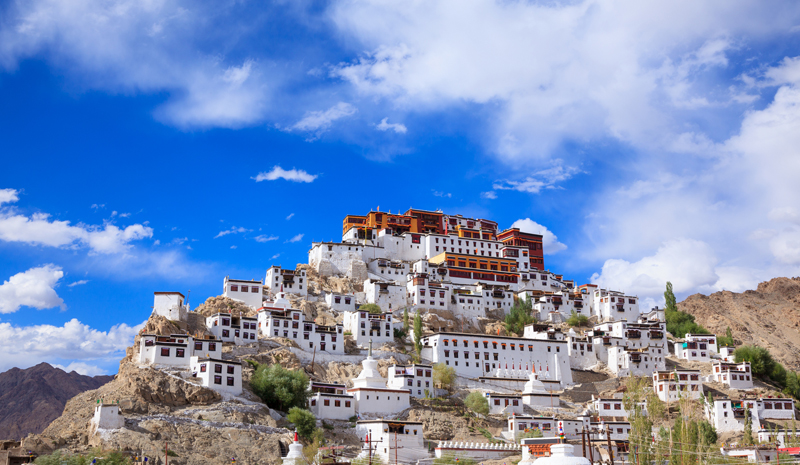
{"x": 8, "y": 196}
{"x": 265, "y": 238}
{"x": 25, "y": 346}
{"x": 550, "y": 242}
{"x": 38, "y": 229}
{"x": 384, "y": 125}
{"x": 33, "y": 288}
{"x": 296, "y": 238}
{"x": 156, "y": 47}
{"x": 277, "y": 172}
{"x": 491, "y": 195}
{"x": 318, "y": 122}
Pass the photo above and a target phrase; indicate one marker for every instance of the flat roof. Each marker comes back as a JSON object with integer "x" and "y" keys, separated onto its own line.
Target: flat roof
{"x": 243, "y": 281}
{"x": 477, "y": 336}
{"x": 169, "y": 293}
{"x": 390, "y": 421}
{"x": 209, "y": 359}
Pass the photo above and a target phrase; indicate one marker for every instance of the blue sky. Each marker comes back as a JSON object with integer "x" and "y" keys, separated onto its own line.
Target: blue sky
{"x": 648, "y": 141}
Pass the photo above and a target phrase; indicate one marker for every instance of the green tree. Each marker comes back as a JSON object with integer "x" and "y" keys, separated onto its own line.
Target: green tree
{"x": 371, "y": 308}
{"x": 406, "y": 324}
{"x": 304, "y": 421}
{"x": 280, "y": 388}
{"x": 679, "y": 323}
{"x": 444, "y": 377}
{"x": 477, "y": 402}
{"x": 418, "y": 335}
{"x": 792, "y": 384}
{"x": 519, "y": 316}
{"x": 669, "y": 297}
{"x": 727, "y": 339}
{"x": 778, "y": 374}
{"x": 640, "y": 439}
{"x": 761, "y": 362}
{"x": 748, "y": 439}
{"x": 577, "y": 320}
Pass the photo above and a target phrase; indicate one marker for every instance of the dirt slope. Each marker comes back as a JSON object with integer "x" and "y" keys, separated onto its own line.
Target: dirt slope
{"x": 768, "y": 317}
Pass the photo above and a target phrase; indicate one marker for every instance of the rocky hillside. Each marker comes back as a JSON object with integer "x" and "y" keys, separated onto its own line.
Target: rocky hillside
{"x": 768, "y": 317}
{"x": 32, "y": 398}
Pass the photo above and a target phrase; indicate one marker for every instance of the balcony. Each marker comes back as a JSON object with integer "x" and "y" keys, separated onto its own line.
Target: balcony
{"x": 656, "y": 335}
{"x": 633, "y": 334}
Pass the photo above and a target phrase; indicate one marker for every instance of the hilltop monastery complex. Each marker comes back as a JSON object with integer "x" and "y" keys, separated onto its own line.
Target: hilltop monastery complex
{"x": 432, "y": 262}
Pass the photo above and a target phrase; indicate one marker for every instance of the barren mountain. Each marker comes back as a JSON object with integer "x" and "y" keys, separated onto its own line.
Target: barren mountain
{"x": 768, "y": 317}
{"x": 30, "y": 399}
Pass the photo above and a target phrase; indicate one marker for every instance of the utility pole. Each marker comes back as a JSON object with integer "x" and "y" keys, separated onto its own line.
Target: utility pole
{"x": 608, "y": 439}
{"x": 395, "y": 446}
{"x": 583, "y": 441}
{"x": 591, "y": 453}
{"x": 166, "y": 453}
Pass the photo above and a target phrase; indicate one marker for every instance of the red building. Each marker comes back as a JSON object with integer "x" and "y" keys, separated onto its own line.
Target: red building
{"x": 532, "y": 241}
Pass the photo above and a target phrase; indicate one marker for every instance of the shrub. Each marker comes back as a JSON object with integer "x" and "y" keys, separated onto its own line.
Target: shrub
{"x": 418, "y": 335}
{"x": 477, "y": 403}
{"x": 577, "y": 320}
{"x": 679, "y": 323}
{"x": 304, "y": 421}
{"x": 519, "y": 316}
{"x": 453, "y": 460}
{"x": 280, "y": 388}
{"x": 444, "y": 377}
{"x": 371, "y": 308}
{"x": 761, "y": 362}
{"x": 399, "y": 333}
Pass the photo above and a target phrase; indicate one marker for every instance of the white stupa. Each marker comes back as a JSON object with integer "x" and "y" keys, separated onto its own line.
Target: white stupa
{"x": 535, "y": 394}
{"x": 370, "y": 377}
{"x": 295, "y": 455}
{"x": 372, "y": 396}
{"x": 560, "y": 454}
{"x": 280, "y": 300}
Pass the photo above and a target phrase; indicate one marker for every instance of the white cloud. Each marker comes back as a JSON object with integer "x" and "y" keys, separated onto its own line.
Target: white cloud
{"x": 233, "y": 230}
{"x": 8, "y": 196}
{"x": 81, "y": 368}
{"x": 688, "y": 264}
{"x": 290, "y": 175}
{"x": 78, "y": 283}
{"x": 296, "y": 238}
{"x": 233, "y": 247}
{"x": 33, "y": 288}
{"x": 543, "y": 179}
{"x": 396, "y": 127}
{"x": 491, "y": 195}
{"x": 442, "y": 194}
{"x": 265, "y": 238}
{"x": 290, "y": 216}
{"x": 550, "y": 242}
{"x": 96, "y": 206}
{"x": 128, "y": 46}
{"x": 275, "y": 256}
{"x": 25, "y": 346}
{"x": 320, "y": 121}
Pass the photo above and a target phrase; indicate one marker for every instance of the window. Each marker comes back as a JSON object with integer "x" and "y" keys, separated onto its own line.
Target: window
{"x": 165, "y": 351}
{"x": 212, "y": 346}
{"x": 198, "y": 346}
{"x": 230, "y": 381}
{"x": 179, "y": 352}
{"x": 202, "y": 368}
{"x": 231, "y": 369}
{"x": 326, "y": 402}
{"x": 226, "y": 333}
{"x": 347, "y": 403}
{"x": 217, "y": 379}
{"x": 337, "y": 403}
{"x": 254, "y": 289}
{"x": 234, "y": 288}
{"x": 217, "y": 368}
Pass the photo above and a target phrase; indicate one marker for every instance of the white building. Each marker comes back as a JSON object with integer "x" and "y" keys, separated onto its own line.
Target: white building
{"x": 277, "y": 319}
{"x": 233, "y": 329}
{"x": 562, "y": 302}
{"x": 753, "y": 454}
{"x": 340, "y": 302}
{"x": 217, "y": 374}
{"x": 170, "y": 305}
{"x": 386, "y": 294}
{"x": 172, "y": 350}
{"x": 371, "y": 393}
{"x": 620, "y": 430}
{"x": 518, "y": 425}
{"x": 535, "y": 394}
{"x": 423, "y": 293}
{"x": 697, "y": 347}
{"x": 248, "y": 292}
{"x": 726, "y": 353}
{"x": 504, "y": 403}
{"x": 673, "y": 385}
{"x": 480, "y": 355}
{"x": 331, "y": 401}
{"x": 734, "y": 375}
{"x": 107, "y": 416}
{"x": 417, "y": 378}
{"x": 581, "y": 351}
{"x": 365, "y": 326}
{"x": 615, "y": 306}
{"x": 631, "y": 348}
{"x": 390, "y": 270}
{"x": 290, "y": 281}
{"x": 393, "y": 441}
{"x": 612, "y": 408}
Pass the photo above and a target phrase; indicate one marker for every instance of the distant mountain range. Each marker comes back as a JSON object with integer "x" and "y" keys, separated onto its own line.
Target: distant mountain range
{"x": 32, "y": 398}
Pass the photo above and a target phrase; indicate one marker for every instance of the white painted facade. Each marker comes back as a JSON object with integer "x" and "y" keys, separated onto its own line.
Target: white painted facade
{"x": 172, "y": 350}
{"x": 331, "y": 401}
{"x": 478, "y": 355}
{"x": 248, "y": 292}
{"x": 612, "y": 408}
{"x": 615, "y": 306}
{"x": 340, "y": 302}
{"x": 107, "y": 416}
{"x": 336, "y": 258}
{"x": 277, "y": 319}
{"x": 504, "y": 403}
{"x": 393, "y": 441}
{"x": 697, "y": 347}
{"x": 726, "y": 353}
{"x": 170, "y": 305}
{"x": 734, "y": 375}
{"x": 289, "y": 281}
{"x": 673, "y": 385}
{"x": 365, "y": 327}
{"x": 372, "y": 394}
{"x": 416, "y": 378}
{"x": 582, "y": 355}
{"x": 233, "y": 329}
{"x": 217, "y": 374}
{"x": 390, "y": 270}
{"x": 385, "y": 294}
{"x": 754, "y": 454}
{"x": 423, "y": 293}
{"x": 535, "y": 393}
{"x": 475, "y": 450}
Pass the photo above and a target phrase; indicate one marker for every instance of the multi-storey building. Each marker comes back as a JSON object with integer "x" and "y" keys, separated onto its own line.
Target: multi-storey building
{"x": 176, "y": 349}
{"x": 340, "y": 302}
{"x": 392, "y": 441}
{"x": 331, "y": 401}
{"x": 248, "y": 292}
{"x": 581, "y": 351}
{"x": 278, "y": 319}
{"x": 532, "y": 242}
{"x": 612, "y": 408}
{"x": 477, "y": 355}
{"x": 388, "y": 295}
{"x": 734, "y": 375}
{"x": 371, "y": 393}
{"x": 417, "y": 378}
{"x": 234, "y": 329}
{"x": 365, "y": 327}
{"x": 504, "y": 403}
{"x": 217, "y": 374}
{"x": 290, "y": 281}
{"x": 615, "y": 306}
{"x": 697, "y": 347}
{"x": 631, "y": 348}
{"x": 673, "y": 385}
{"x": 728, "y": 415}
